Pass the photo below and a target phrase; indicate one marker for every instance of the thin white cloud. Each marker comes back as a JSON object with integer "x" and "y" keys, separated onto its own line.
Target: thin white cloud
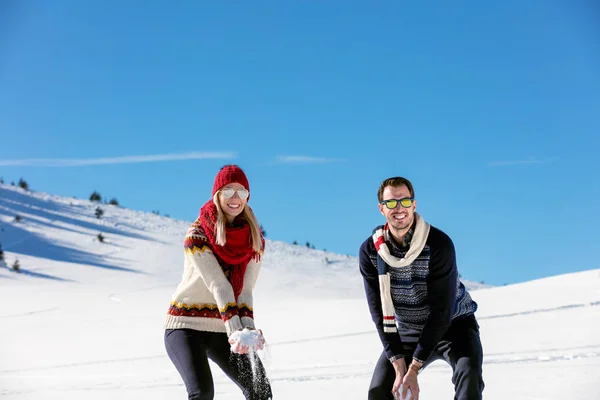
{"x": 305, "y": 160}
{"x": 79, "y": 162}
{"x": 531, "y": 160}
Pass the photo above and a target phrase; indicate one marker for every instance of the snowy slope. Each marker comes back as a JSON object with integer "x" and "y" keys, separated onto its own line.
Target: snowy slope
{"x": 84, "y": 318}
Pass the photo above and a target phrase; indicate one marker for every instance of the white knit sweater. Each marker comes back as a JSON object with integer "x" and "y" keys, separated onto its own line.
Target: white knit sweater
{"x": 204, "y": 298}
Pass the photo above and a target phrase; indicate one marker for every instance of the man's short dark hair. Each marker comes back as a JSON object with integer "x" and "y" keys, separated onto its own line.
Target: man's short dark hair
{"x": 395, "y": 182}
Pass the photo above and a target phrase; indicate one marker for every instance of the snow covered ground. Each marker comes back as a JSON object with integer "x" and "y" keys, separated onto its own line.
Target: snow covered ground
{"x": 83, "y": 319}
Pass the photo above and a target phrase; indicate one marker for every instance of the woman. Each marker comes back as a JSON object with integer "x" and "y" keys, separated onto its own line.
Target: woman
{"x": 214, "y": 298}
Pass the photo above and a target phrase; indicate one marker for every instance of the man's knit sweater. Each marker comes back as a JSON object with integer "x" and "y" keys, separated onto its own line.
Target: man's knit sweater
{"x": 204, "y": 299}
{"x": 427, "y": 294}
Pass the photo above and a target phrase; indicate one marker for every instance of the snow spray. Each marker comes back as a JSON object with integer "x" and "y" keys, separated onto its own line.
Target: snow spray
{"x": 246, "y": 345}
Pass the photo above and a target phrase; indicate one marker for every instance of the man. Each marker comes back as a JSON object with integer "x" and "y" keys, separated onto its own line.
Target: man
{"x": 420, "y": 308}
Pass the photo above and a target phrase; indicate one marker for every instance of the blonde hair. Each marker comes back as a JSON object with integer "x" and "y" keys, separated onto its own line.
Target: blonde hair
{"x": 247, "y": 215}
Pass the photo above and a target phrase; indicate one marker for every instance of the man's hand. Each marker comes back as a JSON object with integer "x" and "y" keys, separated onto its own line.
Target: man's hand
{"x": 400, "y": 368}
{"x": 410, "y": 381}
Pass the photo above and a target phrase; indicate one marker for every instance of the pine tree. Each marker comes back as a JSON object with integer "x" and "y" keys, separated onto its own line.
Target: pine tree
{"x": 18, "y": 218}
{"x": 23, "y": 184}
{"x": 95, "y": 196}
{"x": 99, "y": 212}
{"x": 16, "y": 266}
{"x": 100, "y": 238}
{"x": 114, "y": 202}
{"x": 2, "y": 260}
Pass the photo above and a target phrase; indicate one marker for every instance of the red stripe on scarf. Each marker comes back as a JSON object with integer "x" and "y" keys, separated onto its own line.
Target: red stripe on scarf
{"x": 379, "y": 242}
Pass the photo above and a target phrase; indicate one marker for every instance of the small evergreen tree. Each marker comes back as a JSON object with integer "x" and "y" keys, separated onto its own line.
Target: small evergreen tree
{"x": 295, "y": 243}
{"x": 18, "y": 218}
{"x": 99, "y": 212}
{"x": 23, "y": 184}
{"x": 16, "y": 266}
{"x": 12, "y": 183}
{"x": 95, "y": 196}
{"x": 100, "y": 238}
{"x": 308, "y": 245}
{"x": 1, "y": 180}
{"x": 114, "y": 202}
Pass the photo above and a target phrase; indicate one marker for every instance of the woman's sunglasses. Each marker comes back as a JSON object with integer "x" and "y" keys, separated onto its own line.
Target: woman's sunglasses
{"x": 393, "y": 203}
{"x": 229, "y": 192}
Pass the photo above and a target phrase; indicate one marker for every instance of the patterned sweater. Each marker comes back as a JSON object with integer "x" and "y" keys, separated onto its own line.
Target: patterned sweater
{"x": 204, "y": 299}
{"x": 427, "y": 294}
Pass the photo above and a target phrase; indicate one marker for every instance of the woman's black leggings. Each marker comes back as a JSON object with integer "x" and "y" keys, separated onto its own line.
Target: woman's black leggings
{"x": 190, "y": 350}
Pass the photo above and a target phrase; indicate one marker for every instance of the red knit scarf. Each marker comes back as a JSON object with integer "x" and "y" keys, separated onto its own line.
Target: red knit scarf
{"x": 237, "y": 251}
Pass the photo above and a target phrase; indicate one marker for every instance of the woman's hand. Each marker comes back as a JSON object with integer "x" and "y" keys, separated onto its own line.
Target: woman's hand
{"x": 246, "y": 340}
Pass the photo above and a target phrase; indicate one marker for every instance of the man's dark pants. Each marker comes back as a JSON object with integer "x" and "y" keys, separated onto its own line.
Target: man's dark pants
{"x": 460, "y": 347}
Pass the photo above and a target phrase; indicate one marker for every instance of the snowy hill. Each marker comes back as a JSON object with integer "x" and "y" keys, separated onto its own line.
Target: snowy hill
{"x": 84, "y": 318}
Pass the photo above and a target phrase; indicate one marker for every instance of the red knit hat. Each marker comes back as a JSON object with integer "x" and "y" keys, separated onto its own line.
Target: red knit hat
{"x": 230, "y": 174}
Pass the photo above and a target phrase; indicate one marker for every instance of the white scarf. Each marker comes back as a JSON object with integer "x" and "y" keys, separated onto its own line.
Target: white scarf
{"x": 417, "y": 243}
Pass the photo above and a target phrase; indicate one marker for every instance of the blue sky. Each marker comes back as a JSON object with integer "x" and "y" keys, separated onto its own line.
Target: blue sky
{"x": 492, "y": 110}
